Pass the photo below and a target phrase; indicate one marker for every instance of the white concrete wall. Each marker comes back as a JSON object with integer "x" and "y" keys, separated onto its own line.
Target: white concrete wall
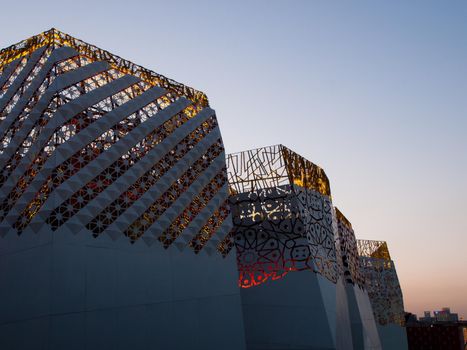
{"x": 343, "y": 325}
{"x": 393, "y": 337}
{"x": 294, "y": 312}
{"x": 366, "y": 320}
{"x": 75, "y": 292}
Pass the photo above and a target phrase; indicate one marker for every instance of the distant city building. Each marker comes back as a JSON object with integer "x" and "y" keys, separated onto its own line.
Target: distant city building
{"x": 450, "y": 336}
{"x": 427, "y": 317}
{"x": 410, "y": 318}
{"x": 442, "y": 331}
{"x": 443, "y": 315}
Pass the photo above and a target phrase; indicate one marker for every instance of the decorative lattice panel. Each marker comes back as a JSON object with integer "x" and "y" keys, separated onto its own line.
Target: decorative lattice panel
{"x": 91, "y": 142}
{"x": 348, "y": 251}
{"x": 381, "y": 282}
{"x": 283, "y": 215}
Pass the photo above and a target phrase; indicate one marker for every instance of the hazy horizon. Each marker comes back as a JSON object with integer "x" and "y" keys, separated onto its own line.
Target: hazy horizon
{"x": 374, "y": 92}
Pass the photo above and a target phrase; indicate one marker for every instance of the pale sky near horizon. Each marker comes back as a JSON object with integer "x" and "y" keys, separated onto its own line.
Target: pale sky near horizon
{"x": 373, "y": 91}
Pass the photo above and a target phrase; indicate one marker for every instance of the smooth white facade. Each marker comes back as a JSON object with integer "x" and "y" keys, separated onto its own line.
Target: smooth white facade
{"x": 364, "y": 329}
{"x": 295, "y": 312}
{"x": 393, "y": 337}
{"x": 66, "y": 291}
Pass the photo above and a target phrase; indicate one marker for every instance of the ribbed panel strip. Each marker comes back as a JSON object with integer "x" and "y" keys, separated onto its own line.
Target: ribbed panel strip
{"x": 142, "y": 204}
{"x": 62, "y": 82}
{"x": 33, "y": 60}
{"x": 8, "y": 71}
{"x": 64, "y": 114}
{"x": 57, "y": 55}
{"x": 105, "y": 198}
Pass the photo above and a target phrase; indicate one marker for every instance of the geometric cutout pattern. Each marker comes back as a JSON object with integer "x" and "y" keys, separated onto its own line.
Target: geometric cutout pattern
{"x": 270, "y": 244}
{"x": 348, "y": 250}
{"x": 381, "y": 282}
{"x": 91, "y": 141}
{"x": 283, "y": 216}
{"x": 274, "y": 166}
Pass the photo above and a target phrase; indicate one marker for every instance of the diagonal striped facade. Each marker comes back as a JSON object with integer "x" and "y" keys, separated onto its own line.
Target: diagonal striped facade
{"x": 91, "y": 142}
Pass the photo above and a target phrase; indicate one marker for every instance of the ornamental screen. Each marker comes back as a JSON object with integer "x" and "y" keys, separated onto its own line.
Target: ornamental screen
{"x": 283, "y": 215}
{"x": 91, "y": 142}
{"x": 347, "y": 247}
{"x": 381, "y": 282}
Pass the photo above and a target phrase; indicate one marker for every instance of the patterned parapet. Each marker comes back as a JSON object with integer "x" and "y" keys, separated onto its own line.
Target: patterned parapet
{"x": 346, "y": 245}
{"x": 283, "y": 215}
{"x": 91, "y": 142}
{"x": 381, "y": 282}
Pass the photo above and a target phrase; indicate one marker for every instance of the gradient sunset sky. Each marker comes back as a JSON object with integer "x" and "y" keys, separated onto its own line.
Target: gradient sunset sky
{"x": 373, "y": 91}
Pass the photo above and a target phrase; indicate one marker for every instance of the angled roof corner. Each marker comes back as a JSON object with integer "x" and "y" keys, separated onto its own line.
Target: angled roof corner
{"x": 373, "y": 249}
{"x": 274, "y": 166}
{"x": 56, "y": 38}
{"x": 305, "y": 173}
{"x": 341, "y": 217}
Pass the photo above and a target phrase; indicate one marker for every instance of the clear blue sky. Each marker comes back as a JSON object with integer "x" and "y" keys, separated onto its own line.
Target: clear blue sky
{"x": 373, "y": 91}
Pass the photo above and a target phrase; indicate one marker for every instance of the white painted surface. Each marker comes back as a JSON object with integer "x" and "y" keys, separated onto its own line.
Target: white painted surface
{"x": 76, "y": 292}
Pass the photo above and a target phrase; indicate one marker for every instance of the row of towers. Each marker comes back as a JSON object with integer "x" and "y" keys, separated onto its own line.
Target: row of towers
{"x": 124, "y": 225}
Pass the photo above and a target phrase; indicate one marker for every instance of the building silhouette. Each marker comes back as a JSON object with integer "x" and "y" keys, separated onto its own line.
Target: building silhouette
{"x": 124, "y": 225}
{"x": 113, "y": 206}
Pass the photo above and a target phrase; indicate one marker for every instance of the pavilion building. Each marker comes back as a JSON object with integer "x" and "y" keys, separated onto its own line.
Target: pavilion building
{"x": 124, "y": 225}
{"x": 384, "y": 291}
{"x": 285, "y": 242}
{"x": 113, "y": 206}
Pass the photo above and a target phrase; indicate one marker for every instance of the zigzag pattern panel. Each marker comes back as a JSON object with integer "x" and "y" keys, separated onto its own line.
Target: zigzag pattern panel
{"x": 90, "y": 146}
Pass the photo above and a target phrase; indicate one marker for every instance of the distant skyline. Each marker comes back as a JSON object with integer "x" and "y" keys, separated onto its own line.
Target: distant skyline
{"x": 432, "y": 312}
{"x": 374, "y": 92}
